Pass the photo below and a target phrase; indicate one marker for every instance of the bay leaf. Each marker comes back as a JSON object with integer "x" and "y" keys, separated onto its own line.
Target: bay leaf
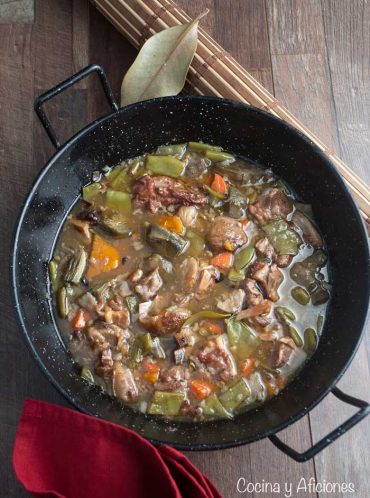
{"x": 161, "y": 66}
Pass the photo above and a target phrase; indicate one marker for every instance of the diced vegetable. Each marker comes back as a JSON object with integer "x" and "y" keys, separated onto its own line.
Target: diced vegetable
{"x": 283, "y": 239}
{"x": 177, "y": 150}
{"x": 151, "y": 377}
{"x": 76, "y": 266}
{"x": 201, "y": 389}
{"x": 223, "y": 260}
{"x": 166, "y": 242}
{"x": 53, "y": 274}
{"x": 300, "y": 295}
{"x": 244, "y": 256}
{"x": 294, "y": 334}
{"x": 103, "y": 257}
{"x": 212, "y": 327}
{"x": 219, "y": 185}
{"x": 241, "y": 338}
{"x": 285, "y": 314}
{"x": 217, "y": 157}
{"x": 236, "y": 275}
{"x": 114, "y": 172}
{"x": 63, "y": 302}
{"x": 81, "y": 319}
{"x": 116, "y": 226}
{"x": 205, "y": 314}
{"x": 89, "y": 192}
{"x": 310, "y": 340}
{"x": 122, "y": 182}
{"x": 118, "y": 201}
{"x": 166, "y": 403}
{"x": 165, "y": 165}
{"x": 246, "y": 366}
{"x": 197, "y": 243}
{"x": 232, "y": 398}
{"x": 87, "y": 375}
{"x": 212, "y": 407}
{"x": 172, "y": 223}
{"x": 201, "y": 147}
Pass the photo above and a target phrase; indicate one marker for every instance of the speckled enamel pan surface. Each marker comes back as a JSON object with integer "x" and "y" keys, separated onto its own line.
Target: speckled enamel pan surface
{"x": 242, "y": 130}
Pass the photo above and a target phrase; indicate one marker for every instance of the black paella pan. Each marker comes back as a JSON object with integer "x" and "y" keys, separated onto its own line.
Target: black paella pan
{"x": 245, "y": 131}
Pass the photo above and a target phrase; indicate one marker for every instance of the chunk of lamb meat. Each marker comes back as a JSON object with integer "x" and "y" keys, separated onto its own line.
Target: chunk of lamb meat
{"x": 114, "y": 312}
{"x": 104, "y": 335}
{"x": 123, "y": 384}
{"x": 166, "y": 322}
{"x": 208, "y": 277}
{"x": 225, "y": 229}
{"x": 190, "y": 272}
{"x": 188, "y": 215}
{"x": 217, "y": 359}
{"x": 105, "y": 365}
{"x": 149, "y": 285}
{"x": 265, "y": 249}
{"x": 171, "y": 379}
{"x": 310, "y": 234}
{"x": 232, "y": 302}
{"x": 270, "y": 277}
{"x": 275, "y": 354}
{"x": 159, "y": 191}
{"x": 283, "y": 260}
{"x": 262, "y": 308}
{"x": 253, "y": 295}
{"x": 88, "y": 301}
{"x": 272, "y": 204}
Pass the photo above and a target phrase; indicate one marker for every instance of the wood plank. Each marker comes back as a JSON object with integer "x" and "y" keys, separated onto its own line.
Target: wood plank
{"x": 303, "y": 83}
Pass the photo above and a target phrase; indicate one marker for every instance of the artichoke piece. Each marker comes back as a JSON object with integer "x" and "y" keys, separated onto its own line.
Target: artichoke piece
{"x": 116, "y": 227}
{"x": 235, "y": 395}
{"x": 166, "y": 242}
{"x": 76, "y": 267}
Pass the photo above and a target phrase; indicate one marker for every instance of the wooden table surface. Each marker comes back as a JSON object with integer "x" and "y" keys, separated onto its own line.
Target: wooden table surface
{"x": 314, "y": 55}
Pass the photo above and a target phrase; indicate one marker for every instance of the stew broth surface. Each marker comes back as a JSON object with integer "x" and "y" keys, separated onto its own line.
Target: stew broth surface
{"x": 190, "y": 283}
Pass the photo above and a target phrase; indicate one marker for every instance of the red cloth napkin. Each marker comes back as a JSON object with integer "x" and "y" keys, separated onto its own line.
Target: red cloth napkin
{"x": 62, "y": 453}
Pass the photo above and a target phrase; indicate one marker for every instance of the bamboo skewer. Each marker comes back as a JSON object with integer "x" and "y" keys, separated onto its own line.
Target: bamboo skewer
{"x": 213, "y": 71}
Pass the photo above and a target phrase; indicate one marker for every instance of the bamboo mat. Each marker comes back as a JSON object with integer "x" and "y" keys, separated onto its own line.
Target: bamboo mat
{"x": 214, "y": 71}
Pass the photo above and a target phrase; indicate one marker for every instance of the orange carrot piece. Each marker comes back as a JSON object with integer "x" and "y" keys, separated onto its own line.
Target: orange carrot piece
{"x": 172, "y": 223}
{"x": 219, "y": 185}
{"x": 213, "y": 327}
{"x": 103, "y": 257}
{"x": 201, "y": 389}
{"x": 151, "y": 377}
{"x": 222, "y": 260}
{"x": 151, "y": 366}
{"x": 81, "y": 319}
{"x": 246, "y": 366}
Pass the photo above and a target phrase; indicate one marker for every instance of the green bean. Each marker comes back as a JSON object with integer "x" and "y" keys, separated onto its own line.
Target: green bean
{"x": 217, "y": 157}
{"x": 212, "y": 407}
{"x": 310, "y": 340}
{"x": 118, "y": 201}
{"x": 177, "y": 150}
{"x": 235, "y": 395}
{"x": 53, "y": 274}
{"x": 89, "y": 192}
{"x": 244, "y": 256}
{"x": 122, "y": 181}
{"x": 87, "y": 375}
{"x": 202, "y": 315}
{"x": 165, "y": 165}
{"x": 285, "y": 314}
{"x": 294, "y": 334}
{"x": 217, "y": 195}
{"x": 63, "y": 302}
{"x": 201, "y": 147}
{"x": 236, "y": 275}
{"x": 300, "y": 295}
{"x": 166, "y": 403}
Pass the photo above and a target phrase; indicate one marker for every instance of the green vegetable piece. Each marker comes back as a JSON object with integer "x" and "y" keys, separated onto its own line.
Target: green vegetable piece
{"x": 87, "y": 375}
{"x": 294, "y": 334}
{"x": 132, "y": 303}
{"x": 114, "y": 172}
{"x": 212, "y": 407}
{"x": 205, "y": 314}
{"x": 217, "y": 157}
{"x": 244, "y": 256}
{"x": 122, "y": 182}
{"x": 89, "y": 192}
{"x": 177, "y": 150}
{"x": 118, "y": 201}
{"x": 53, "y": 274}
{"x": 166, "y": 242}
{"x": 63, "y": 302}
{"x": 147, "y": 342}
{"x": 197, "y": 243}
{"x": 217, "y": 195}
{"x": 136, "y": 167}
{"x": 232, "y": 398}
{"x": 136, "y": 353}
{"x": 236, "y": 275}
{"x": 300, "y": 295}
{"x": 116, "y": 227}
{"x": 241, "y": 338}
{"x": 310, "y": 340}
{"x": 284, "y": 314}
{"x": 165, "y": 165}
{"x": 201, "y": 147}
{"x": 76, "y": 267}
{"x": 283, "y": 239}
{"x": 166, "y": 403}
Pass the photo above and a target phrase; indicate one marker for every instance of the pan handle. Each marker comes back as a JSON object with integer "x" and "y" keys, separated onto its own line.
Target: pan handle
{"x": 53, "y": 92}
{"x": 332, "y": 436}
